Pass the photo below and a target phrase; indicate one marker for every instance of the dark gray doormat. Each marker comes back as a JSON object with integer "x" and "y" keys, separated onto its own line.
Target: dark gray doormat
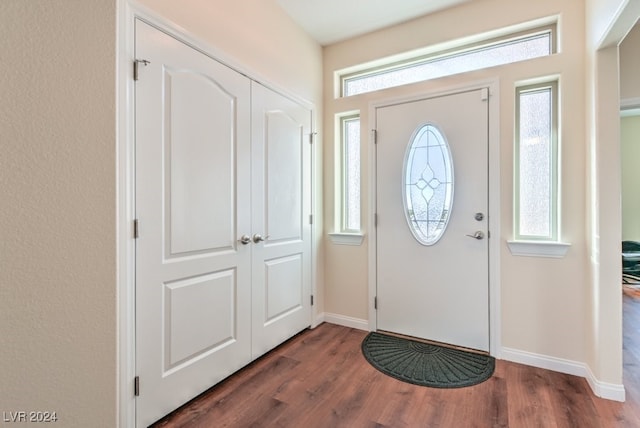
{"x": 426, "y": 364}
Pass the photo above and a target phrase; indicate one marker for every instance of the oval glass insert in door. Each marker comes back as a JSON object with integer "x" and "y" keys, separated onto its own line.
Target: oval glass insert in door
{"x": 427, "y": 184}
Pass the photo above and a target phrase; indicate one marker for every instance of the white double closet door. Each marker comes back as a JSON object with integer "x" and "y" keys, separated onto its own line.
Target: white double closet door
{"x": 223, "y": 198}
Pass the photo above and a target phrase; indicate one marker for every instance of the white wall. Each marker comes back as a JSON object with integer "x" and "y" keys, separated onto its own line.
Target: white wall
{"x": 58, "y": 210}
{"x": 609, "y": 21}
{"x": 543, "y": 300}
{"x": 601, "y": 15}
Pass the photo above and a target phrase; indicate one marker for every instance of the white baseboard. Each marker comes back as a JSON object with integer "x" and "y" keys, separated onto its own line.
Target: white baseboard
{"x": 345, "y": 321}
{"x": 544, "y": 362}
{"x": 605, "y": 390}
{"x": 609, "y": 391}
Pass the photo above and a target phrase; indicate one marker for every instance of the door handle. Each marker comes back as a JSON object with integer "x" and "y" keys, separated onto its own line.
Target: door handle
{"x": 259, "y": 238}
{"x": 478, "y": 235}
{"x": 244, "y": 239}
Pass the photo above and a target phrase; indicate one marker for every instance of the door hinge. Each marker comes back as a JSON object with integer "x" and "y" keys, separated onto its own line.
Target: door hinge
{"x": 375, "y": 220}
{"x": 374, "y": 136}
{"x": 310, "y": 218}
{"x": 136, "y": 66}
{"x": 136, "y": 229}
{"x": 375, "y": 302}
{"x": 312, "y": 300}
{"x": 312, "y": 137}
{"x": 136, "y": 386}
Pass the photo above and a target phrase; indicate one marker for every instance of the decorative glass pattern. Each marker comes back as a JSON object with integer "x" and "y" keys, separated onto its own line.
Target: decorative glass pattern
{"x": 428, "y": 184}
{"x": 535, "y": 163}
{"x": 351, "y": 173}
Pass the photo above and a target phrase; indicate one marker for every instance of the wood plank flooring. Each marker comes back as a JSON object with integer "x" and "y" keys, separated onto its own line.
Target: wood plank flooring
{"x": 320, "y": 379}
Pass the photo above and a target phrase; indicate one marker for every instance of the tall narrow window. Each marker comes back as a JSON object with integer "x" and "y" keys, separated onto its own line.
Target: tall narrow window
{"x": 536, "y": 162}
{"x": 350, "y": 173}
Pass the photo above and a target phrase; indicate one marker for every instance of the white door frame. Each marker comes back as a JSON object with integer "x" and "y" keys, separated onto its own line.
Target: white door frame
{"x": 127, "y": 12}
{"x": 494, "y": 201}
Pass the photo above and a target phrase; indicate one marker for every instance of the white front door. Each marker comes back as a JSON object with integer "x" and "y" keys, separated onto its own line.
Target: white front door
{"x": 193, "y": 276}
{"x": 281, "y": 174}
{"x": 432, "y": 218}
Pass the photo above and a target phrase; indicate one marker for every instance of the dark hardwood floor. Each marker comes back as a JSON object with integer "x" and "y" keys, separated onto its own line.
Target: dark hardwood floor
{"x": 320, "y": 379}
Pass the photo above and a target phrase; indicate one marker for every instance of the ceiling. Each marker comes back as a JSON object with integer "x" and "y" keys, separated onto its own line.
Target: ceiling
{"x": 329, "y": 21}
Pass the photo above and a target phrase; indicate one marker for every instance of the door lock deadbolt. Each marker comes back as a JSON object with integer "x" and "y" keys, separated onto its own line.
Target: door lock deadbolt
{"x": 479, "y": 216}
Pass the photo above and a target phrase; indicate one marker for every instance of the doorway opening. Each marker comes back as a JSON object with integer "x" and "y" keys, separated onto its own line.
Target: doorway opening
{"x": 630, "y": 156}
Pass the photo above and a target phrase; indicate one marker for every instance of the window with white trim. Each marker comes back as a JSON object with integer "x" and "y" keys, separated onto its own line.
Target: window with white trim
{"x": 507, "y": 49}
{"x": 536, "y": 163}
{"x": 349, "y": 175}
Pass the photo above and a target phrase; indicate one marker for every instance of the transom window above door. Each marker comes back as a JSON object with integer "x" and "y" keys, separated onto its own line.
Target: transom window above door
{"x": 488, "y": 52}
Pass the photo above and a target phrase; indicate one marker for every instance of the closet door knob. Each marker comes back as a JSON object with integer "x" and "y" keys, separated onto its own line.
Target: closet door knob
{"x": 259, "y": 238}
{"x": 245, "y": 239}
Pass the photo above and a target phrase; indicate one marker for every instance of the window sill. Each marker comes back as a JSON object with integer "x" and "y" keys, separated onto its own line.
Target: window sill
{"x": 556, "y": 250}
{"x": 341, "y": 238}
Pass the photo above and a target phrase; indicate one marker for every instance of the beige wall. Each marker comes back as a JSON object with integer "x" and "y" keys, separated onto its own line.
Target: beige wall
{"x": 630, "y": 66}
{"x": 607, "y": 22}
{"x": 257, "y": 35}
{"x": 543, "y": 300}
{"x": 58, "y": 175}
{"x": 57, "y": 216}
{"x": 630, "y": 154}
